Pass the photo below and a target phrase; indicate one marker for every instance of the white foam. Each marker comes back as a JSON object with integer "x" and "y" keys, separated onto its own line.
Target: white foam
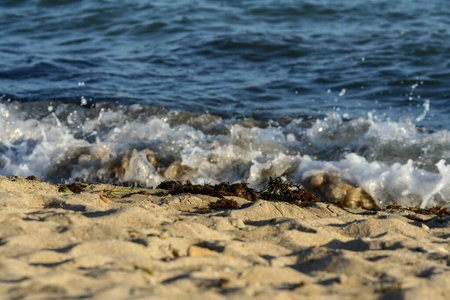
{"x": 400, "y": 183}
{"x": 426, "y": 106}
{"x": 390, "y": 160}
{"x": 142, "y": 171}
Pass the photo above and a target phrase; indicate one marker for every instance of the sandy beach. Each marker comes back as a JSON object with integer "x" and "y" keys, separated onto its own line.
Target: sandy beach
{"x": 110, "y": 242}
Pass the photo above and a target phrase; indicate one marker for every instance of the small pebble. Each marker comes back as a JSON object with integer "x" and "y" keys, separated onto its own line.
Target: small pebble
{"x": 164, "y": 235}
{"x": 238, "y": 223}
{"x": 343, "y": 279}
{"x": 425, "y": 227}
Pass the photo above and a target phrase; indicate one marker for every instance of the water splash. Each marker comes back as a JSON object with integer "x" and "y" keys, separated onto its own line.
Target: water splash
{"x": 392, "y": 161}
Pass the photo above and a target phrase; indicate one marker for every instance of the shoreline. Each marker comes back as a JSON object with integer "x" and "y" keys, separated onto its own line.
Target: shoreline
{"x": 119, "y": 242}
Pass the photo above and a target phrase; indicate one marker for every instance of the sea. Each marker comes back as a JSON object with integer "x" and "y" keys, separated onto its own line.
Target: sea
{"x": 139, "y": 92}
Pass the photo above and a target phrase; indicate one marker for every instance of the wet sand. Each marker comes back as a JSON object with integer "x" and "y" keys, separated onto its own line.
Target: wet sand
{"x": 109, "y": 242}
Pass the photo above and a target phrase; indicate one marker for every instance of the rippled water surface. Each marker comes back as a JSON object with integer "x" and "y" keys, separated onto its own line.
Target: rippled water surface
{"x": 229, "y": 90}
{"x": 237, "y": 58}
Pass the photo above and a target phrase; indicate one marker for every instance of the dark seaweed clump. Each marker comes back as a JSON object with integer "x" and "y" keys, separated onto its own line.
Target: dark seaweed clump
{"x": 219, "y": 190}
{"x": 73, "y": 187}
{"x": 276, "y": 190}
{"x": 284, "y": 190}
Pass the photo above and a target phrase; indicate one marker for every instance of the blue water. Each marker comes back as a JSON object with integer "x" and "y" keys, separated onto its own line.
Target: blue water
{"x": 317, "y": 79}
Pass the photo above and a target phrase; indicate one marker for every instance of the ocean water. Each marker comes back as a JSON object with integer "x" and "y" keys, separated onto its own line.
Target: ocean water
{"x": 209, "y": 91}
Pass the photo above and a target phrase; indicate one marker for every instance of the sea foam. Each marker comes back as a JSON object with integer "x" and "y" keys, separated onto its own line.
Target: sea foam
{"x": 391, "y": 160}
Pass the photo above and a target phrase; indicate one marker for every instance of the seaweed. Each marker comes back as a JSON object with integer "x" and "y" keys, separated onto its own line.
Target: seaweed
{"x": 278, "y": 189}
{"x": 219, "y": 190}
{"x": 436, "y": 210}
{"x": 122, "y": 193}
{"x": 225, "y": 203}
{"x": 170, "y": 185}
{"x": 33, "y": 178}
{"x": 220, "y": 204}
{"x": 73, "y": 187}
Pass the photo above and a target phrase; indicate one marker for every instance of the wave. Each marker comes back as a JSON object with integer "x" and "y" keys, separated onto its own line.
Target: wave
{"x": 392, "y": 161}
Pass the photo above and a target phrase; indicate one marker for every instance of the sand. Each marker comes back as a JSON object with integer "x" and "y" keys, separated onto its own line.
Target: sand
{"x": 120, "y": 243}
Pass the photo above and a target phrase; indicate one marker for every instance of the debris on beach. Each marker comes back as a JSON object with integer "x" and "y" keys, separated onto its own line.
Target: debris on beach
{"x": 219, "y": 190}
{"x": 284, "y": 190}
{"x": 277, "y": 190}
